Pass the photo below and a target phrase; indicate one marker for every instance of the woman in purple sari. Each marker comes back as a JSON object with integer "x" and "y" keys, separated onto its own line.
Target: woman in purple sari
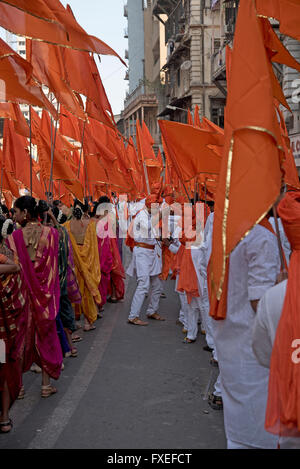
{"x": 36, "y": 249}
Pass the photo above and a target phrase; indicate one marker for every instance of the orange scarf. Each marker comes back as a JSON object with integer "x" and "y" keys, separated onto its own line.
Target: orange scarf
{"x": 283, "y": 406}
{"x": 187, "y": 280}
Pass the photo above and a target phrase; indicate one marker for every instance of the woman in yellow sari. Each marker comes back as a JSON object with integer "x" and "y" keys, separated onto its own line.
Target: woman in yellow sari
{"x": 84, "y": 241}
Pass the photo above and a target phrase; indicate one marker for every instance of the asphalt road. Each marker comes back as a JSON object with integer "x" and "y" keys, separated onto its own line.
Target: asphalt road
{"x": 129, "y": 388}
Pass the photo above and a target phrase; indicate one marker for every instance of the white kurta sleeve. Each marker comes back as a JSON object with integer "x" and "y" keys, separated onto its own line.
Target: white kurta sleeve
{"x": 261, "y": 340}
{"x": 263, "y": 261}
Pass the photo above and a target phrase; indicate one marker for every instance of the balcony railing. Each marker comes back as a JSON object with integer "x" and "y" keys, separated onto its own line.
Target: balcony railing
{"x": 141, "y": 90}
{"x": 218, "y": 62}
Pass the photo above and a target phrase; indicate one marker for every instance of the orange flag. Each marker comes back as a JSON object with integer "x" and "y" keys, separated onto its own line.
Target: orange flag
{"x": 84, "y": 78}
{"x": 49, "y": 69}
{"x": 61, "y": 170}
{"x": 188, "y": 149}
{"x": 17, "y": 75}
{"x": 49, "y": 21}
{"x": 15, "y": 151}
{"x": 251, "y": 152}
{"x": 287, "y": 12}
{"x": 291, "y": 177}
{"x": 8, "y": 183}
{"x": 197, "y": 122}
{"x": 69, "y": 125}
{"x": 190, "y": 118}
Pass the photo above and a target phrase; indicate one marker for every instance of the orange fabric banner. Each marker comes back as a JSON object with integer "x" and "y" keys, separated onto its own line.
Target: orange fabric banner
{"x": 49, "y": 21}
{"x": 188, "y": 149}
{"x": 15, "y": 151}
{"x": 251, "y": 151}
{"x": 283, "y": 405}
{"x": 17, "y": 75}
{"x": 197, "y": 122}
{"x": 49, "y": 69}
{"x": 287, "y": 12}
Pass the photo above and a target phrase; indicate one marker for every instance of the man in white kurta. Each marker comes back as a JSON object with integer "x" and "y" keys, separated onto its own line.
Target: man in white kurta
{"x": 146, "y": 265}
{"x": 253, "y": 269}
{"x": 264, "y": 331}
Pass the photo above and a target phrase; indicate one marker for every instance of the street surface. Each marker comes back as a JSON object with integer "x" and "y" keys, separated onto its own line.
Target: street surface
{"x": 130, "y": 387}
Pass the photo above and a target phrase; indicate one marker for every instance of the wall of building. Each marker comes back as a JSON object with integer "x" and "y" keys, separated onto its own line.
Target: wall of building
{"x": 135, "y": 42}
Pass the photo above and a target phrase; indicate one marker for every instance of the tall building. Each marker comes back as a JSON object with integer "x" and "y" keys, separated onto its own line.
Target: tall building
{"x": 192, "y": 35}
{"x": 146, "y": 52}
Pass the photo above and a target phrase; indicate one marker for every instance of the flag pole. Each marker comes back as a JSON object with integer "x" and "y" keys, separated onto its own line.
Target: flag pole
{"x": 30, "y": 151}
{"x": 81, "y": 149}
{"x": 282, "y": 263}
{"x": 52, "y": 150}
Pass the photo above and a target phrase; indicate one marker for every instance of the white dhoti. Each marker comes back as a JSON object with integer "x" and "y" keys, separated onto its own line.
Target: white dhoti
{"x": 151, "y": 285}
{"x": 192, "y": 317}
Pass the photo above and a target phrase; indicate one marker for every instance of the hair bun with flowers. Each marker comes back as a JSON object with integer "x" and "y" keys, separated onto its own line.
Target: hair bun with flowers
{"x": 6, "y": 230}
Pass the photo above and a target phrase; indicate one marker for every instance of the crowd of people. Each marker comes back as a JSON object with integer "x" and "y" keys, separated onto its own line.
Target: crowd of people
{"x": 56, "y": 270}
{"x": 60, "y": 265}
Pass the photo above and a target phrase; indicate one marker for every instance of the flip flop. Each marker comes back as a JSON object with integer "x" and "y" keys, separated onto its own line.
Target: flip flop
{"x": 76, "y": 338}
{"x": 89, "y": 328}
{"x": 6, "y": 424}
{"x": 157, "y": 318}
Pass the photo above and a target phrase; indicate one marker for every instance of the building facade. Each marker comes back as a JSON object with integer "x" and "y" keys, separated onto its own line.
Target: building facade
{"x": 146, "y": 55}
{"x": 192, "y": 36}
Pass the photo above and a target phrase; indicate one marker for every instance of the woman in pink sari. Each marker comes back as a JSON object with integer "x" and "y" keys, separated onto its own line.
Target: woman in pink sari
{"x": 36, "y": 249}
{"x": 106, "y": 232}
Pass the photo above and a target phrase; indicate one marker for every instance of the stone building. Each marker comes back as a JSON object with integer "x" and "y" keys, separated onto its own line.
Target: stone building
{"x": 146, "y": 55}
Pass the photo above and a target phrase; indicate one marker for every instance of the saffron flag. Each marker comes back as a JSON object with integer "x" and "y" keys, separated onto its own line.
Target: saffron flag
{"x": 49, "y": 21}
{"x": 188, "y": 148}
{"x": 16, "y": 84}
{"x": 287, "y": 12}
{"x": 251, "y": 155}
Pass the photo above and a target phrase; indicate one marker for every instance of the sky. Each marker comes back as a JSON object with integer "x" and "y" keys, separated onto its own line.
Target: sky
{"x": 104, "y": 19}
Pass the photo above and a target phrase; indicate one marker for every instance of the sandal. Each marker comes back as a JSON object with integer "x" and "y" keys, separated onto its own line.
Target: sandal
{"x": 76, "y": 338}
{"x": 137, "y": 322}
{"x": 112, "y": 300}
{"x": 157, "y": 317}
{"x": 91, "y": 327}
{"x": 48, "y": 390}
{"x": 21, "y": 393}
{"x": 6, "y": 424}
{"x": 188, "y": 341}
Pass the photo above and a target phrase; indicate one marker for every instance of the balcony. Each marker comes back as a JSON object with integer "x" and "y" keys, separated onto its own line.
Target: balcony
{"x": 161, "y": 7}
{"x": 126, "y": 33}
{"x": 126, "y": 54}
{"x": 126, "y": 10}
{"x": 142, "y": 95}
{"x": 218, "y": 69}
{"x": 126, "y": 76}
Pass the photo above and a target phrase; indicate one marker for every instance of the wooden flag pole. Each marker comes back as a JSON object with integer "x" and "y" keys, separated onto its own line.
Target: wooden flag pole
{"x": 52, "y": 151}
{"x": 81, "y": 149}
